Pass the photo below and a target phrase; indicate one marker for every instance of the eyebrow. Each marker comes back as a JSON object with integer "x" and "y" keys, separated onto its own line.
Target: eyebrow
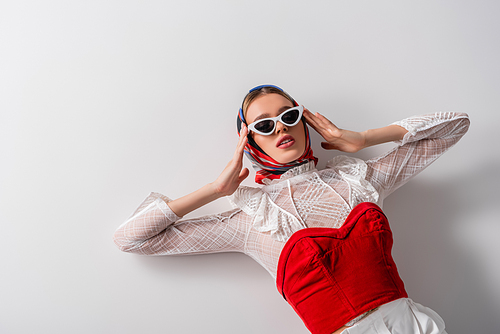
{"x": 266, "y": 115}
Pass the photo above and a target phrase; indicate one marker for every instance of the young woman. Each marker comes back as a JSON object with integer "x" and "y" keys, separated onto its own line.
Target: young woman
{"x": 320, "y": 233}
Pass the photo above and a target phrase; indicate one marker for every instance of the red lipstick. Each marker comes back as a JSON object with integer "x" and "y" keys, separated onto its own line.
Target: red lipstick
{"x": 285, "y": 142}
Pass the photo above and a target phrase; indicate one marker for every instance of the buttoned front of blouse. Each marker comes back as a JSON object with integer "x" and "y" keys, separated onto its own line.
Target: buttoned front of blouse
{"x": 265, "y": 217}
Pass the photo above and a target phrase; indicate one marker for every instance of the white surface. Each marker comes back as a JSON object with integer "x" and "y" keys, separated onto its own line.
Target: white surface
{"x": 103, "y": 102}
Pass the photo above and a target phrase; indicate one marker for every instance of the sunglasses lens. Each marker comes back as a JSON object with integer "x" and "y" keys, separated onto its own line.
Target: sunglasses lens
{"x": 290, "y": 117}
{"x": 265, "y": 126}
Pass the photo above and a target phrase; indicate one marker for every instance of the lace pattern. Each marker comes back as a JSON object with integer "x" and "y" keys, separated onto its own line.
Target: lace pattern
{"x": 266, "y": 215}
{"x": 353, "y": 171}
{"x": 303, "y": 197}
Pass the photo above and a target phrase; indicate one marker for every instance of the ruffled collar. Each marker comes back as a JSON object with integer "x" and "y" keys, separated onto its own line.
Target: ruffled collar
{"x": 268, "y": 217}
{"x": 292, "y": 172}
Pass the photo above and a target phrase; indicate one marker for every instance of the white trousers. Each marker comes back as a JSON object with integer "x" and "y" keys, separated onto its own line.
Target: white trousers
{"x": 402, "y": 316}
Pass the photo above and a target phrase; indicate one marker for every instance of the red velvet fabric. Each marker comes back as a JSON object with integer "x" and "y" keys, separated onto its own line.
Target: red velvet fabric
{"x": 330, "y": 276}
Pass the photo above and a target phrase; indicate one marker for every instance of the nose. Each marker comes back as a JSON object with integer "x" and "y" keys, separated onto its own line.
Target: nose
{"x": 280, "y": 127}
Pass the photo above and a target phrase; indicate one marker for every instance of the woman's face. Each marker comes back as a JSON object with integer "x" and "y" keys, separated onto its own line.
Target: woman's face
{"x": 286, "y": 143}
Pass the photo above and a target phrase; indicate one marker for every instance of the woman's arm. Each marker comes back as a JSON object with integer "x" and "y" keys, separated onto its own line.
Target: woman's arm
{"x": 383, "y": 135}
{"x": 225, "y": 185}
{"x": 428, "y": 137}
{"x": 422, "y": 139}
{"x": 151, "y": 228}
{"x": 151, "y": 231}
{"x": 351, "y": 141}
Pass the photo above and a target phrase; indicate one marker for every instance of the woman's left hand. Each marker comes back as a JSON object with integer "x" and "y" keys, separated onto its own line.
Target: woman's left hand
{"x": 336, "y": 139}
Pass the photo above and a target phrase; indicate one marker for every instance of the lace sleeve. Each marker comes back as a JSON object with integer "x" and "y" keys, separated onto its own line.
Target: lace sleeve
{"x": 151, "y": 231}
{"x": 428, "y": 137}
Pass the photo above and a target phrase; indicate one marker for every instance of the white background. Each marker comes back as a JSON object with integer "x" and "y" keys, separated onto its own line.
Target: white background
{"x": 102, "y": 102}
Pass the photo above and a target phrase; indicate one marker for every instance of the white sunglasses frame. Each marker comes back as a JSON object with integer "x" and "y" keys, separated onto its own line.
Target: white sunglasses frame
{"x": 251, "y": 127}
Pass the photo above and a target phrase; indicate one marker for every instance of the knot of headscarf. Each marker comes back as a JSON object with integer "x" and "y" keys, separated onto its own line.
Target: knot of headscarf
{"x": 265, "y": 166}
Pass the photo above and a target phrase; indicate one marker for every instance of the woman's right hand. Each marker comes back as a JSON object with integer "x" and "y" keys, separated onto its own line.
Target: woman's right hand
{"x": 225, "y": 185}
{"x": 234, "y": 173}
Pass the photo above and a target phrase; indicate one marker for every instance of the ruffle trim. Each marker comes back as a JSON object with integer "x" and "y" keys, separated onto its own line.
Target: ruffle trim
{"x": 353, "y": 171}
{"x": 307, "y": 167}
{"x": 417, "y": 124}
{"x": 267, "y": 216}
{"x": 161, "y": 202}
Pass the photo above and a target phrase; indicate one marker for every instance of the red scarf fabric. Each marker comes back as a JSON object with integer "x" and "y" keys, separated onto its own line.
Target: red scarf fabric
{"x": 266, "y": 167}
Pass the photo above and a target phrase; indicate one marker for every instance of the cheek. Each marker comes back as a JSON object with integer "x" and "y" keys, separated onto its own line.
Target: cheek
{"x": 301, "y": 135}
{"x": 268, "y": 145}
{"x": 263, "y": 141}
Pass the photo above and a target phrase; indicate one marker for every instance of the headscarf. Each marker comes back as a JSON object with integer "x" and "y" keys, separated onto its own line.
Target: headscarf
{"x": 265, "y": 166}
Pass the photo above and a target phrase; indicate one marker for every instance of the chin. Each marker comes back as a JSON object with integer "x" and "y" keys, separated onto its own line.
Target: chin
{"x": 287, "y": 157}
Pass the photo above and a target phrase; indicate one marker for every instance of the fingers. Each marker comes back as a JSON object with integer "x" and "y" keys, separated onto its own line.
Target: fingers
{"x": 328, "y": 146}
{"x": 243, "y": 174}
{"x": 311, "y": 120}
{"x": 240, "y": 148}
{"x": 320, "y": 119}
{"x": 318, "y": 122}
{"x": 234, "y": 173}
{"x": 243, "y": 134}
{"x": 309, "y": 116}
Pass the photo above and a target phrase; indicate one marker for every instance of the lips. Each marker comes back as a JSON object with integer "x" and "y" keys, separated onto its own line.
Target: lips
{"x": 285, "y": 142}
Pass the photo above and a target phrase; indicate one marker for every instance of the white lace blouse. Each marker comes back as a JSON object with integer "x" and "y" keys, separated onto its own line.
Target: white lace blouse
{"x": 265, "y": 217}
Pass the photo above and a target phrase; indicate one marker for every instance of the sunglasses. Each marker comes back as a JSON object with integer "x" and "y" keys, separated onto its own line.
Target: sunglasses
{"x": 266, "y": 126}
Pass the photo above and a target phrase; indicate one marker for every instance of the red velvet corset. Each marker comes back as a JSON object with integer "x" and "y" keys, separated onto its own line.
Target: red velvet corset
{"x": 330, "y": 276}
